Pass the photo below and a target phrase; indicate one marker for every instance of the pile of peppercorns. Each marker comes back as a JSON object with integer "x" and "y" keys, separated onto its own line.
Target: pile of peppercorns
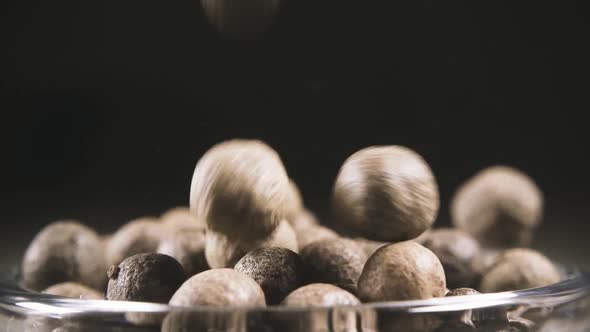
{"x": 248, "y": 240}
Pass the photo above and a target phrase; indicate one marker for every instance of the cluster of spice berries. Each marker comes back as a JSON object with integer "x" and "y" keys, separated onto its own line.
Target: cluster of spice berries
{"x": 248, "y": 239}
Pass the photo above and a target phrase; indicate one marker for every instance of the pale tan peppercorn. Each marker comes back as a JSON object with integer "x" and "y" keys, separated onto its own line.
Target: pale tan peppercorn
{"x": 519, "y": 268}
{"x": 219, "y": 287}
{"x": 181, "y": 217}
{"x": 386, "y": 193}
{"x": 140, "y": 235}
{"x": 401, "y": 271}
{"x": 64, "y": 251}
{"x": 320, "y": 295}
{"x": 74, "y": 290}
{"x": 369, "y": 246}
{"x": 187, "y": 246}
{"x": 295, "y": 202}
{"x": 308, "y": 229}
{"x": 241, "y": 189}
{"x": 500, "y": 206}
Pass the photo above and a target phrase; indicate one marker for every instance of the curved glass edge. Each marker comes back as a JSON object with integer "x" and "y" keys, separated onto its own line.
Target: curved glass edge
{"x": 576, "y": 284}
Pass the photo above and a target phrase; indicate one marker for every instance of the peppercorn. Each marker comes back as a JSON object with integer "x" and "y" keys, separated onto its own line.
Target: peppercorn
{"x": 457, "y": 252}
{"x": 401, "y": 271}
{"x": 181, "y": 217}
{"x": 278, "y": 271}
{"x": 137, "y": 236}
{"x": 308, "y": 229}
{"x": 386, "y": 193}
{"x": 500, "y": 206}
{"x": 320, "y": 295}
{"x": 223, "y": 251}
{"x": 519, "y": 268}
{"x": 241, "y": 189}
{"x": 336, "y": 261}
{"x": 64, "y": 251}
{"x": 187, "y": 246}
{"x": 219, "y": 287}
{"x": 74, "y": 290}
{"x": 147, "y": 277}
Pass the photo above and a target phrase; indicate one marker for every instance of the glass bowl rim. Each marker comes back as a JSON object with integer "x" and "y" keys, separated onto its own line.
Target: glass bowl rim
{"x": 574, "y": 285}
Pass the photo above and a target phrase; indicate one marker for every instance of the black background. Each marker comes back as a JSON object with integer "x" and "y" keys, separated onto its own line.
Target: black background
{"x": 107, "y": 105}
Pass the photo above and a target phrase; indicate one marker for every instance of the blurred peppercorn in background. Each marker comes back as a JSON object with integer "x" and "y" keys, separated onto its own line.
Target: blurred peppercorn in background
{"x": 105, "y": 112}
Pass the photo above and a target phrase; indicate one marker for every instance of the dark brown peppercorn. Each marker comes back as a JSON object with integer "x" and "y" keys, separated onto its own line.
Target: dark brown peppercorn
{"x": 64, "y": 251}
{"x": 457, "y": 252}
{"x": 148, "y": 277}
{"x": 278, "y": 271}
{"x": 337, "y": 261}
{"x": 487, "y": 319}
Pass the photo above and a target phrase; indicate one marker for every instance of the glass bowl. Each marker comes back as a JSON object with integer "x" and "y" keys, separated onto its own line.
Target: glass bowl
{"x": 564, "y": 306}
